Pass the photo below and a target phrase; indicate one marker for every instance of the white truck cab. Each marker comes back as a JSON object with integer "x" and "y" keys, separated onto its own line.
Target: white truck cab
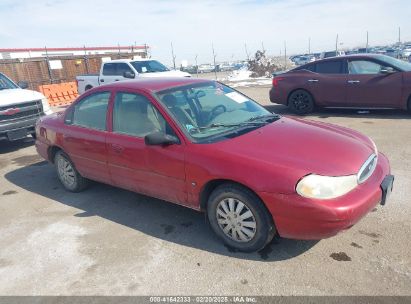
{"x": 125, "y": 69}
{"x": 19, "y": 109}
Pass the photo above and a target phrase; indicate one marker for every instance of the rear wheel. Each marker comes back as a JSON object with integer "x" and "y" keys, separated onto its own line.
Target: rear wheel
{"x": 239, "y": 218}
{"x": 67, "y": 173}
{"x": 301, "y": 102}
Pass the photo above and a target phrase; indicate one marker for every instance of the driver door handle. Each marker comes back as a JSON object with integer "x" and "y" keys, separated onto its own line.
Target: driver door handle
{"x": 313, "y": 80}
{"x": 353, "y": 81}
{"x": 117, "y": 148}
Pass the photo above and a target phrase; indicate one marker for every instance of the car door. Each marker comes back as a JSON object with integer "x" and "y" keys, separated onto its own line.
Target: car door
{"x": 84, "y": 137}
{"x": 369, "y": 87}
{"x": 114, "y": 71}
{"x": 157, "y": 171}
{"x": 328, "y": 83}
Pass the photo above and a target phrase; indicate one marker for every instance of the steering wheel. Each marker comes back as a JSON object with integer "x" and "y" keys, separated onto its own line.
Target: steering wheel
{"x": 217, "y": 110}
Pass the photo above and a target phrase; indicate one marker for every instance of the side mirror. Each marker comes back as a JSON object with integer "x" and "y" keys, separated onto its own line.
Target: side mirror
{"x": 160, "y": 139}
{"x": 23, "y": 84}
{"x": 387, "y": 70}
{"x": 129, "y": 75}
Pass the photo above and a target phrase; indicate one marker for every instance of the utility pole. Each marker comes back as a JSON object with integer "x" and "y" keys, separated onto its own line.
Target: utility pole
{"x": 86, "y": 60}
{"x": 366, "y": 46}
{"x": 174, "y": 57}
{"x": 262, "y": 46}
{"x": 196, "y": 65}
{"x": 246, "y": 52}
{"x": 399, "y": 41}
{"x": 285, "y": 54}
{"x": 48, "y": 66}
{"x": 336, "y": 45}
{"x": 214, "y": 56}
{"x": 309, "y": 46}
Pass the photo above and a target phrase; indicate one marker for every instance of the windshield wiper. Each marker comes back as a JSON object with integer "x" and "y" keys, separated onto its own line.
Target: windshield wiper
{"x": 228, "y": 125}
{"x": 264, "y": 117}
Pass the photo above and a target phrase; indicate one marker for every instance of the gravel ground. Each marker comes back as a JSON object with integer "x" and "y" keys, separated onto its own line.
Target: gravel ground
{"x": 107, "y": 241}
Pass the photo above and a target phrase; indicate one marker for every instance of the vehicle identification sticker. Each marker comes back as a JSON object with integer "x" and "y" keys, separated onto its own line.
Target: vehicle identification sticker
{"x": 237, "y": 97}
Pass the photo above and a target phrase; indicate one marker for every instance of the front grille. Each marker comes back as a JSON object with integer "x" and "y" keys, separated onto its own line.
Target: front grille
{"x": 367, "y": 168}
{"x": 24, "y": 110}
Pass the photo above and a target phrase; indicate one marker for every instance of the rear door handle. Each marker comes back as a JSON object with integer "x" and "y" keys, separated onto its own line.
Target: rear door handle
{"x": 101, "y": 80}
{"x": 116, "y": 79}
{"x": 313, "y": 80}
{"x": 353, "y": 81}
{"x": 117, "y": 148}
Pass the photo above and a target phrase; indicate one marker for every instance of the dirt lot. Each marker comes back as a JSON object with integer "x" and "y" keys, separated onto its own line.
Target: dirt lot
{"x": 108, "y": 241}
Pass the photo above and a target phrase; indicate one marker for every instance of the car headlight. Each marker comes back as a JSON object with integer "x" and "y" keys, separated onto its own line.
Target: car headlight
{"x": 325, "y": 187}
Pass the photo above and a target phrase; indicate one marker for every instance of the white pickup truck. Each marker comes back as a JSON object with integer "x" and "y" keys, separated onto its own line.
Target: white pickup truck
{"x": 125, "y": 69}
{"x": 19, "y": 109}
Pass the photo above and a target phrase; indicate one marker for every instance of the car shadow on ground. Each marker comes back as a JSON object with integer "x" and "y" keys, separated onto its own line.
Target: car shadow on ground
{"x": 11, "y": 146}
{"x": 150, "y": 216}
{"x": 349, "y": 113}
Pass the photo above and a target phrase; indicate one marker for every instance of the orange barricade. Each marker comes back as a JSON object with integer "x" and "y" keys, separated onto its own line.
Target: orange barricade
{"x": 59, "y": 94}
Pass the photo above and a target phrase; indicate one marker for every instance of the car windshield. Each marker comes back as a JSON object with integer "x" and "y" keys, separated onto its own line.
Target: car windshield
{"x": 209, "y": 111}
{"x": 399, "y": 64}
{"x": 6, "y": 83}
{"x": 149, "y": 66}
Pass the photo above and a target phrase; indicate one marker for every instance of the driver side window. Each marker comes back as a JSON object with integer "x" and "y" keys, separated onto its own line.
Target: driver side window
{"x": 357, "y": 67}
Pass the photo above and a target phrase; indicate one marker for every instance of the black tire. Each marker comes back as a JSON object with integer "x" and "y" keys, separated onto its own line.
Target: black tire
{"x": 71, "y": 180}
{"x": 264, "y": 230}
{"x": 301, "y": 102}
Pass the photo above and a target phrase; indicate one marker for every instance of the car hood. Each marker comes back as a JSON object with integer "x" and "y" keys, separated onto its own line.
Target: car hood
{"x": 18, "y": 96}
{"x": 173, "y": 73}
{"x": 302, "y": 146}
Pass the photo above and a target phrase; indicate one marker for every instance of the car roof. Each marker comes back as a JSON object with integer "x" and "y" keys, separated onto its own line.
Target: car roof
{"x": 128, "y": 60}
{"x": 352, "y": 56}
{"x": 154, "y": 84}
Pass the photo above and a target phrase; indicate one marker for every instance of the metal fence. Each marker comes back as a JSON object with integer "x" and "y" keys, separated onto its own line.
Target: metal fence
{"x": 56, "y": 69}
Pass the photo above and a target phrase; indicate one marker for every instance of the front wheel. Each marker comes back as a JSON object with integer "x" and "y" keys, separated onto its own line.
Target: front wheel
{"x": 301, "y": 102}
{"x": 67, "y": 173}
{"x": 239, "y": 218}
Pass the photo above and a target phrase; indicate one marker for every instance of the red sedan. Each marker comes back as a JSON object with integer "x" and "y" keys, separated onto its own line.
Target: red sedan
{"x": 203, "y": 145}
{"x": 356, "y": 81}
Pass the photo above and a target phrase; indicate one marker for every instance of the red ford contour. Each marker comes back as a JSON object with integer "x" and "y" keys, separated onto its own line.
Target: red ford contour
{"x": 203, "y": 145}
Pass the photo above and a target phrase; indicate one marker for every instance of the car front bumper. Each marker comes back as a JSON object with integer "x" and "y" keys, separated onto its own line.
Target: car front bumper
{"x": 302, "y": 218}
{"x": 12, "y": 130}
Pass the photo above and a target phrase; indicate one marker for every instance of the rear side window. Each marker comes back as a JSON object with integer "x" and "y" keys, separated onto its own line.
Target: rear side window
{"x": 329, "y": 67}
{"x": 310, "y": 67}
{"x": 90, "y": 112}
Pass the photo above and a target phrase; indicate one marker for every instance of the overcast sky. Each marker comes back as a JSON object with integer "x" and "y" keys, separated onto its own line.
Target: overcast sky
{"x": 193, "y": 25}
